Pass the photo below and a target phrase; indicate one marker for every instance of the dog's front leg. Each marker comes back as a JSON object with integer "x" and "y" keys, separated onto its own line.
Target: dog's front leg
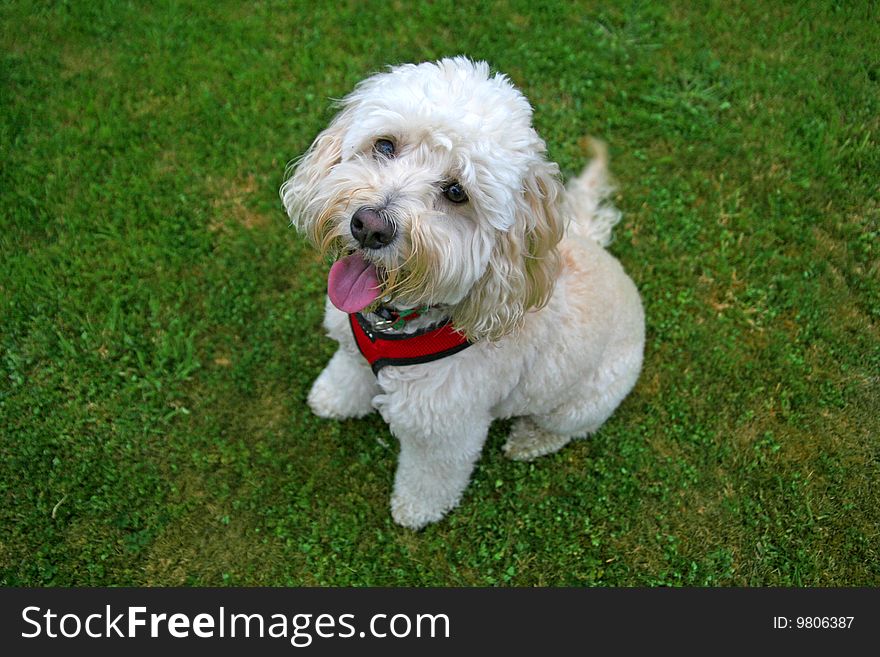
{"x": 345, "y": 388}
{"x": 435, "y": 464}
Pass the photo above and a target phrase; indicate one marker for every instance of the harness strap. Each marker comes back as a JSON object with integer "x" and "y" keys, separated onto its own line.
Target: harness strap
{"x": 381, "y": 349}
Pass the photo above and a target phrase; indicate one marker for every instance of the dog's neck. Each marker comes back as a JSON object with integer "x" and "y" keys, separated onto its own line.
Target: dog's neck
{"x": 388, "y": 318}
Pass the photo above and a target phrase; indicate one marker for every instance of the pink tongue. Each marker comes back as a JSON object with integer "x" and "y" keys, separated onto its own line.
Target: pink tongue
{"x": 352, "y": 284}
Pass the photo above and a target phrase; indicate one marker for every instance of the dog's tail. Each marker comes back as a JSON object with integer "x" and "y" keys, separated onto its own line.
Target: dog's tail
{"x": 587, "y": 199}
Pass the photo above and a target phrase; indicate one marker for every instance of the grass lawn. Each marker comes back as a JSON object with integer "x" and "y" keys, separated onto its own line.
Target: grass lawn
{"x": 160, "y": 322}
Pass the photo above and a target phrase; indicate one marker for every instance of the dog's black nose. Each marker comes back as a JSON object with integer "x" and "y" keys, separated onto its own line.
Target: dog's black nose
{"x": 371, "y": 229}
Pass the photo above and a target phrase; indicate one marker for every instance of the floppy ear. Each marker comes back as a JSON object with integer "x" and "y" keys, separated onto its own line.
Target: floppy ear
{"x": 544, "y": 230}
{"x": 301, "y": 192}
{"x": 524, "y": 265}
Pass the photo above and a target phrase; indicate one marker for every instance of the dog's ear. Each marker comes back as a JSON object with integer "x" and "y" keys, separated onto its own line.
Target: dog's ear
{"x": 300, "y": 191}
{"x": 545, "y": 228}
{"x": 524, "y": 264}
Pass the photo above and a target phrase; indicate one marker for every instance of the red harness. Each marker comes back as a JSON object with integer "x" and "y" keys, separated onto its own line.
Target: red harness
{"x": 381, "y": 349}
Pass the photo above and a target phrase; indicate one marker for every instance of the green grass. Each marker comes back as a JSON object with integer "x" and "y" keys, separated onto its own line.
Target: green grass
{"x": 159, "y": 320}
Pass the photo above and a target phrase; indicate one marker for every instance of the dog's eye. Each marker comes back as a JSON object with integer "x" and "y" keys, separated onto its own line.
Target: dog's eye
{"x": 455, "y": 192}
{"x": 384, "y": 147}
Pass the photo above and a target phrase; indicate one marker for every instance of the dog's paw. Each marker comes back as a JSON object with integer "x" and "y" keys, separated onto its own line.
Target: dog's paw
{"x": 528, "y": 441}
{"x": 413, "y": 513}
{"x": 334, "y": 403}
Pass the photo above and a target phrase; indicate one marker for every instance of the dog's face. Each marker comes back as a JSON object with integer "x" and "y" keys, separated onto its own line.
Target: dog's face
{"x": 431, "y": 187}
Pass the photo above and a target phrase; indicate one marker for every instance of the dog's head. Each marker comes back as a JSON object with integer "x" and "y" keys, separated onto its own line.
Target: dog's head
{"x": 432, "y": 188}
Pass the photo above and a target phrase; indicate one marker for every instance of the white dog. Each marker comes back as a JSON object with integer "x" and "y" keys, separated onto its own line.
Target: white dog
{"x": 469, "y": 285}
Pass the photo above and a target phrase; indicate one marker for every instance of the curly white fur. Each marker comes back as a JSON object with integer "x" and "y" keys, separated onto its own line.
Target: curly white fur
{"x": 557, "y": 325}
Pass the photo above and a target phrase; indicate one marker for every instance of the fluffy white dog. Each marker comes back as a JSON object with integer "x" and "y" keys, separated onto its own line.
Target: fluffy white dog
{"x": 469, "y": 284}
